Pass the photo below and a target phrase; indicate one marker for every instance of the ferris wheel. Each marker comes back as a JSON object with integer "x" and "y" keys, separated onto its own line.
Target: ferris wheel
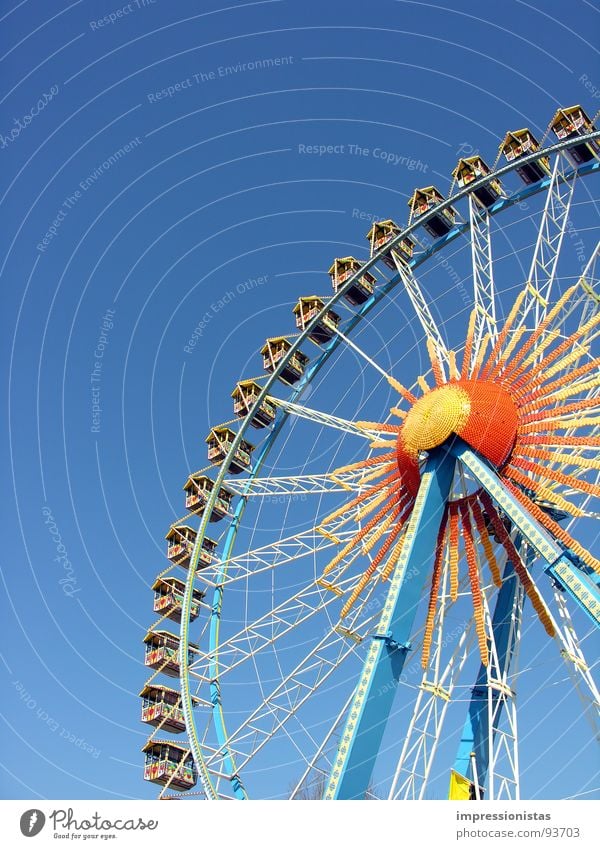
{"x": 353, "y": 629}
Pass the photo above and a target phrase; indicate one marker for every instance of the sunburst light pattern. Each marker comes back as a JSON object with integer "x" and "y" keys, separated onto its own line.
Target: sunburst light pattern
{"x": 519, "y": 402}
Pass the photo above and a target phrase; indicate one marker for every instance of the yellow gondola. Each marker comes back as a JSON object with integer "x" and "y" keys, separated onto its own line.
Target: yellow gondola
{"x": 472, "y": 168}
{"x": 168, "y": 763}
{"x": 161, "y": 707}
{"x": 570, "y": 122}
{"x": 197, "y": 490}
{"x": 168, "y": 599}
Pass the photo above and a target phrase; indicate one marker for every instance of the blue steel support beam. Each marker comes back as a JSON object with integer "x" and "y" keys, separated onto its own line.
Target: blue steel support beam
{"x": 476, "y": 731}
{"x": 580, "y": 585}
{"x": 372, "y": 703}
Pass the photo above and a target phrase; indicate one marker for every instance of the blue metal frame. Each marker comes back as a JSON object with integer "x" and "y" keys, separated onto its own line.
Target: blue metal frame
{"x": 374, "y": 696}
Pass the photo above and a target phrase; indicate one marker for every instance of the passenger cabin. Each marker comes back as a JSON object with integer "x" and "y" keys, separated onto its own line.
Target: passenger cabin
{"x": 168, "y": 763}
{"x": 161, "y": 707}
{"x": 521, "y": 143}
{"x": 572, "y": 122}
{"x": 383, "y": 232}
{"x": 276, "y": 349}
{"x": 168, "y": 599}
{"x": 473, "y": 168}
{"x": 198, "y": 489}
{"x": 162, "y": 652}
{"x": 306, "y": 309}
{"x": 362, "y": 288}
{"x": 424, "y": 200}
{"x": 219, "y": 442}
{"x": 244, "y": 397}
{"x": 180, "y": 544}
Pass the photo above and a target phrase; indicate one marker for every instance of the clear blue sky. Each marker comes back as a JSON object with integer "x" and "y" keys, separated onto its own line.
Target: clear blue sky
{"x": 146, "y": 177}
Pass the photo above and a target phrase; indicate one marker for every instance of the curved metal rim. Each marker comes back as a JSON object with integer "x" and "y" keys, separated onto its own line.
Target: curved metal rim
{"x": 312, "y": 370}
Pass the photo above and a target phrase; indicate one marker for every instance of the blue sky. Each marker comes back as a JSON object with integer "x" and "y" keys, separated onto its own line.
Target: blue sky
{"x": 159, "y": 175}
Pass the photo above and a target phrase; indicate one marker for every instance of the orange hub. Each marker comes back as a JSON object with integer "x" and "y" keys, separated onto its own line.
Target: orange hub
{"x": 481, "y": 412}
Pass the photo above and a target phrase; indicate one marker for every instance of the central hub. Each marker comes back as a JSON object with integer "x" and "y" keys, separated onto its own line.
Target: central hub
{"x": 481, "y": 412}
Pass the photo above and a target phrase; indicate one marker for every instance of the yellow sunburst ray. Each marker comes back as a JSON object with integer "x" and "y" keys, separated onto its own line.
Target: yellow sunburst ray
{"x": 539, "y": 331}
{"x": 481, "y": 355}
{"x": 575, "y": 441}
{"x": 549, "y": 523}
{"x": 373, "y": 490}
{"x": 380, "y": 426}
{"x": 402, "y": 390}
{"x": 382, "y": 443}
{"x": 557, "y": 457}
{"x": 541, "y": 375}
{"x": 499, "y": 343}
{"x": 453, "y": 368}
{"x": 453, "y": 552}
{"x": 561, "y": 411}
{"x": 401, "y": 414}
{"x": 559, "y": 424}
{"x": 565, "y": 345}
{"x": 543, "y": 491}
{"x": 358, "y": 537}
{"x": 372, "y": 461}
{"x": 423, "y": 385}
{"x": 562, "y": 394}
{"x": 506, "y": 353}
{"x": 370, "y": 571}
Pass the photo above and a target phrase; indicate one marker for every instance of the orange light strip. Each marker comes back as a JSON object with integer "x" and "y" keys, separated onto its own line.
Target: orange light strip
{"x": 557, "y": 457}
{"x": 568, "y": 377}
{"x": 359, "y": 536}
{"x": 543, "y": 491}
{"x": 402, "y": 390}
{"x": 518, "y": 565}
{"x": 540, "y": 330}
{"x": 434, "y": 590}
{"x": 554, "y": 527}
{"x": 558, "y": 477}
{"x": 478, "y": 614}
{"x": 503, "y": 334}
{"x": 486, "y": 542}
{"x": 555, "y": 412}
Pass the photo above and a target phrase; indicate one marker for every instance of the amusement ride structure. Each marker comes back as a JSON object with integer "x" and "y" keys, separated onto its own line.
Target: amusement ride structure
{"x": 332, "y": 646}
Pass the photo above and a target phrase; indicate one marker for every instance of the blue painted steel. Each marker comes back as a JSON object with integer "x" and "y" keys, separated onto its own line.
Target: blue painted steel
{"x": 559, "y": 565}
{"x": 475, "y": 735}
{"x": 374, "y": 696}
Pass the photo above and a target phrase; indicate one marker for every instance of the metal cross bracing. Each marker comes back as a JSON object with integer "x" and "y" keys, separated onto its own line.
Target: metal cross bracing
{"x": 579, "y": 671}
{"x": 305, "y": 544}
{"x": 349, "y": 481}
{"x": 431, "y": 705}
{"x": 285, "y": 700}
{"x": 325, "y": 419}
{"x": 484, "y": 295}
